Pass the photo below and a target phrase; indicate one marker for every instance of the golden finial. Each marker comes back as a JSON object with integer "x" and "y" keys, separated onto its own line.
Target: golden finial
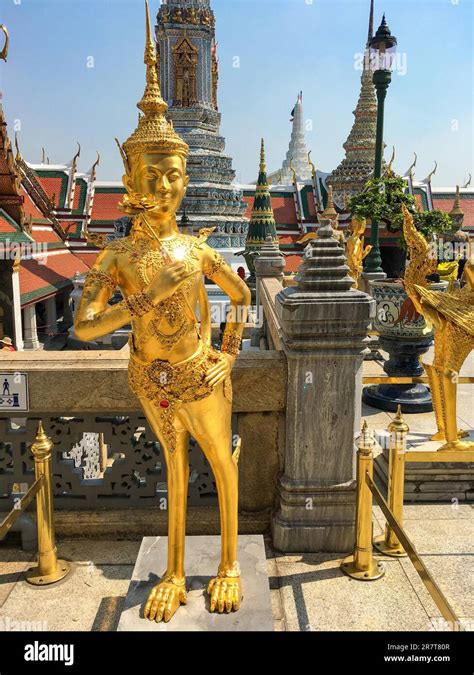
{"x": 42, "y": 445}
{"x": 366, "y": 439}
{"x": 4, "y": 52}
{"x": 410, "y": 173}
{"x": 78, "y": 153}
{"x": 398, "y": 423}
{"x": 456, "y": 210}
{"x": 390, "y": 164}
{"x": 154, "y": 133}
{"x": 96, "y": 163}
{"x": 18, "y": 153}
{"x": 464, "y": 187}
{"x": 313, "y": 168}
{"x": 263, "y": 166}
{"x": 430, "y": 175}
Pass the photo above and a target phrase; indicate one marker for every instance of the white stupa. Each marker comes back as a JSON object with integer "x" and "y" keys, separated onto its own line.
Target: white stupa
{"x": 297, "y": 155}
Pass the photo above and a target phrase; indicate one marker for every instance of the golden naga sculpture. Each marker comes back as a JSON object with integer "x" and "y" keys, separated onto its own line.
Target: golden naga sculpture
{"x": 182, "y": 382}
{"x": 356, "y": 250}
{"x": 452, "y": 316}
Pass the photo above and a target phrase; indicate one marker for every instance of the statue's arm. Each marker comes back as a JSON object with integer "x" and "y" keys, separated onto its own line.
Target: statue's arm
{"x": 216, "y": 269}
{"x": 95, "y": 318}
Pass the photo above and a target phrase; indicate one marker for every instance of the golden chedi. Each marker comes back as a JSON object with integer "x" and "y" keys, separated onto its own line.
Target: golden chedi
{"x": 182, "y": 382}
{"x": 452, "y": 316}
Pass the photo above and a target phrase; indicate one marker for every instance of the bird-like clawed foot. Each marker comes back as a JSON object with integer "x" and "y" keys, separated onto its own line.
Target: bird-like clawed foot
{"x": 225, "y": 591}
{"x": 464, "y": 446}
{"x": 441, "y": 435}
{"x": 165, "y": 598}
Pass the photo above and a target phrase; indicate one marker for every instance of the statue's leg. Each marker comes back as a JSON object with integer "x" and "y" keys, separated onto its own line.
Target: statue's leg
{"x": 435, "y": 374}
{"x": 457, "y": 346}
{"x": 434, "y": 377}
{"x": 209, "y": 422}
{"x": 166, "y": 597}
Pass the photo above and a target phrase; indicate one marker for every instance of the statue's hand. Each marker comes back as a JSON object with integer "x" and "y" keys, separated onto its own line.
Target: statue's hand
{"x": 220, "y": 371}
{"x": 163, "y": 601}
{"x": 168, "y": 280}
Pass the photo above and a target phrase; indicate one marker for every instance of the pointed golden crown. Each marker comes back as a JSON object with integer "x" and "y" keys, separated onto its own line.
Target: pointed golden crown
{"x": 154, "y": 133}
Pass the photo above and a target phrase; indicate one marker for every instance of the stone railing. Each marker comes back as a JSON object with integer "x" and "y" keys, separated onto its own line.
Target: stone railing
{"x": 320, "y": 324}
{"x": 109, "y": 473}
{"x": 268, "y": 290}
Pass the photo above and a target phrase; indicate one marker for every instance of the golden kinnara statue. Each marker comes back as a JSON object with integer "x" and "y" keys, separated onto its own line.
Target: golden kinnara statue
{"x": 182, "y": 382}
{"x": 452, "y": 316}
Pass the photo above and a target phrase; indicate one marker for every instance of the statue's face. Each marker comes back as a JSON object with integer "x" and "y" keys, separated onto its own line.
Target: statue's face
{"x": 162, "y": 176}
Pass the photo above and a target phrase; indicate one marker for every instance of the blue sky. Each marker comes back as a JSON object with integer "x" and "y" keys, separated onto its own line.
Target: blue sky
{"x": 283, "y": 46}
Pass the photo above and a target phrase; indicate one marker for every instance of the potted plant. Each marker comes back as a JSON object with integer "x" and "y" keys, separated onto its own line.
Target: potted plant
{"x": 403, "y": 332}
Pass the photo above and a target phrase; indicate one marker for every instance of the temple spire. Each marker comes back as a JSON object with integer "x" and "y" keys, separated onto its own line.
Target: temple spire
{"x": 297, "y": 155}
{"x": 456, "y": 234}
{"x": 357, "y": 167}
{"x": 456, "y": 210}
{"x": 263, "y": 165}
{"x": 262, "y": 221}
{"x": 72, "y": 178}
{"x": 371, "y": 23}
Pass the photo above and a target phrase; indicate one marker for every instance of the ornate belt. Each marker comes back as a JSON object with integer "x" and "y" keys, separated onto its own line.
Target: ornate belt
{"x": 166, "y": 384}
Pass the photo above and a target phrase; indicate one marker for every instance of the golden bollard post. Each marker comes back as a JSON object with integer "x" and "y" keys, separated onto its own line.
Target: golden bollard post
{"x": 49, "y": 568}
{"x": 361, "y": 564}
{"x": 388, "y": 543}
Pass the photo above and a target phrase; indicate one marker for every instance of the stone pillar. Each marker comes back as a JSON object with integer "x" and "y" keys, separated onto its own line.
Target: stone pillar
{"x": 270, "y": 263}
{"x": 51, "y": 315}
{"x": 324, "y": 327}
{"x": 18, "y": 328}
{"x": 29, "y": 326}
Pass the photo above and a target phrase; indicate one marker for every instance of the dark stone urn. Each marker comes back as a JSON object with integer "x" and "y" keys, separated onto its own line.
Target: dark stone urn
{"x": 406, "y": 337}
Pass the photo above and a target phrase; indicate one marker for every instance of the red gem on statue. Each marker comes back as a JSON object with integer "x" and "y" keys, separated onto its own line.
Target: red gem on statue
{"x": 164, "y": 404}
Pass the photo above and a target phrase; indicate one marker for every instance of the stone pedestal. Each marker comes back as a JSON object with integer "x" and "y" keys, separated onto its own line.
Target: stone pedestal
{"x": 202, "y": 559}
{"x": 324, "y": 327}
